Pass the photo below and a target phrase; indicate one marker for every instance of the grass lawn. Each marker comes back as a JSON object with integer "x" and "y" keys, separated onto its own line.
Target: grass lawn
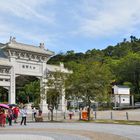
{"x": 114, "y": 121}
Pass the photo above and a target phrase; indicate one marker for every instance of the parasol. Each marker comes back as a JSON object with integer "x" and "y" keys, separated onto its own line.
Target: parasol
{"x": 12, "y": 105}
{"x": 4, "y": 106}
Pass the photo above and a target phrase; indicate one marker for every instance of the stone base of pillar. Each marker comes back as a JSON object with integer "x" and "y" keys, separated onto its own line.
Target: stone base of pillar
{"x": 44, "y": 108}
{"x": 62, "y": 108}
{"x": 29, "y": 107}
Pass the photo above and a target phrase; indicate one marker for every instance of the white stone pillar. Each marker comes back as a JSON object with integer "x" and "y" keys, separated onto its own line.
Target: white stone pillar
{"x": 43, "y": 90}
{"x": 12, "y": 91}
{"x": 62, "y": 105}
{"x": 132, "y": 100}
{"x": 43, "y": 95}
{"x": 115, "y": 100}
{"x": 119, "y": 100}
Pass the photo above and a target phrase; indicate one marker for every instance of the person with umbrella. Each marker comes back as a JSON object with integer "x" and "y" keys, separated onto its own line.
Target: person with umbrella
{"x": 4, "y": 106}
{"x": 0, "y": 116}
{"x": 3, "y": 118}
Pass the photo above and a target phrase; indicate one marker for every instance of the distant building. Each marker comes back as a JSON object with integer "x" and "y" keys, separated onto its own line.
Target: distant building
{"x": 121, "y": 96}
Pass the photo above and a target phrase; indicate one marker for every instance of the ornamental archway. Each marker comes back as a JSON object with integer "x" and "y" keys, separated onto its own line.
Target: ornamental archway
{"x": 18, "y": 59}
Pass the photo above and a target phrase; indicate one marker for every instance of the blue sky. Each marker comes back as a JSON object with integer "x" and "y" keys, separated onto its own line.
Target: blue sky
{"x": 64, "y": 25}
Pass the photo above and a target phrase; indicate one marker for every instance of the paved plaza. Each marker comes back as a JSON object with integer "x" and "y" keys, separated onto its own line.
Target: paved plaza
{"x": 70, "y": 131}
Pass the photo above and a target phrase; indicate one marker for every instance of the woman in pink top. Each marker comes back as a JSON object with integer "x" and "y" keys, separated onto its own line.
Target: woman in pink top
{"x": 0, "y": 116}
{"x": 3, "y": 118}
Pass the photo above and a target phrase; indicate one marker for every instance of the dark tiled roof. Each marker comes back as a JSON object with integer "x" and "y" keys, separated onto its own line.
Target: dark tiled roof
{"x": 122, "y": 86}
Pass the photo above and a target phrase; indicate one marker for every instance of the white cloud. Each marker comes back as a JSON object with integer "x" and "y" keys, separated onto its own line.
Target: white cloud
{"x": 104, "y": 18}
{"x": 21, "y": 35}
{"x": 26, "y": 9}
{"x": 28, "y": 37}
{"x": 29, "y": 10}
{"x": 56, "y": 22}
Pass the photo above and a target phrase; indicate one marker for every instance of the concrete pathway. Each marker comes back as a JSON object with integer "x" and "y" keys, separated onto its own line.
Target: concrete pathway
{"x": 52, "y": 130}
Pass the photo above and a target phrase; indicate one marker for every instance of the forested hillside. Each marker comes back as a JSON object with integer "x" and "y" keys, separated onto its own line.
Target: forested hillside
{"x": 122, "y": 59}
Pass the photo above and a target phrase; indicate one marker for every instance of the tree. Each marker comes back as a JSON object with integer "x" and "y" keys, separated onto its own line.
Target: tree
{"x": 128, "y": 70}
{"x": 33, "y": 91}
{"x": 90, "y": 82}
{"x": 55, "y": 85}
{"x": 3, "y": 95}
{"x": 30, "y": 93}
{"x": 109, "y": 51}
{"x": 70, "y": 52}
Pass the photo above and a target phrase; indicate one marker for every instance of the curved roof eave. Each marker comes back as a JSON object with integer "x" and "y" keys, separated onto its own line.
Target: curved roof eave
{"x": 5, "y": 62}
{"x": 28, "y": 48}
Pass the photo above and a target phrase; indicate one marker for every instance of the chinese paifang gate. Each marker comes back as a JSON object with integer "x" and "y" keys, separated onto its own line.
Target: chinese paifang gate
{"x": 17, "y": 59}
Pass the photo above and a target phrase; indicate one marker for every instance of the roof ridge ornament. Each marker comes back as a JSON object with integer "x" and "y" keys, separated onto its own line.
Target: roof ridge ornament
{"x": 12, "y": 39}
{"x": 42, "y": 46}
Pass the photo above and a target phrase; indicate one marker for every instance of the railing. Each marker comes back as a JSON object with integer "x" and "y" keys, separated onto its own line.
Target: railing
{"x": 131, "y": 115}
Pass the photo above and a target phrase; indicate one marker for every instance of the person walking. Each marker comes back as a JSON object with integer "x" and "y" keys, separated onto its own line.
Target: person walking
{"x": 3, "y": 117}
{"x": 15, "y": 113}
{"x": 23, "y": 113}
{"x": 34, "y": 112}
{"x": 71, "y": 113}
{"x": 0, "y": 116}
{"x": 10, "y": 115}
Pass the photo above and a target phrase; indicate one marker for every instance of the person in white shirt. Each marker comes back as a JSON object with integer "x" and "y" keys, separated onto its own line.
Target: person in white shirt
{"x": 23, "y": 113}
{"x": 34, "y": 111}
